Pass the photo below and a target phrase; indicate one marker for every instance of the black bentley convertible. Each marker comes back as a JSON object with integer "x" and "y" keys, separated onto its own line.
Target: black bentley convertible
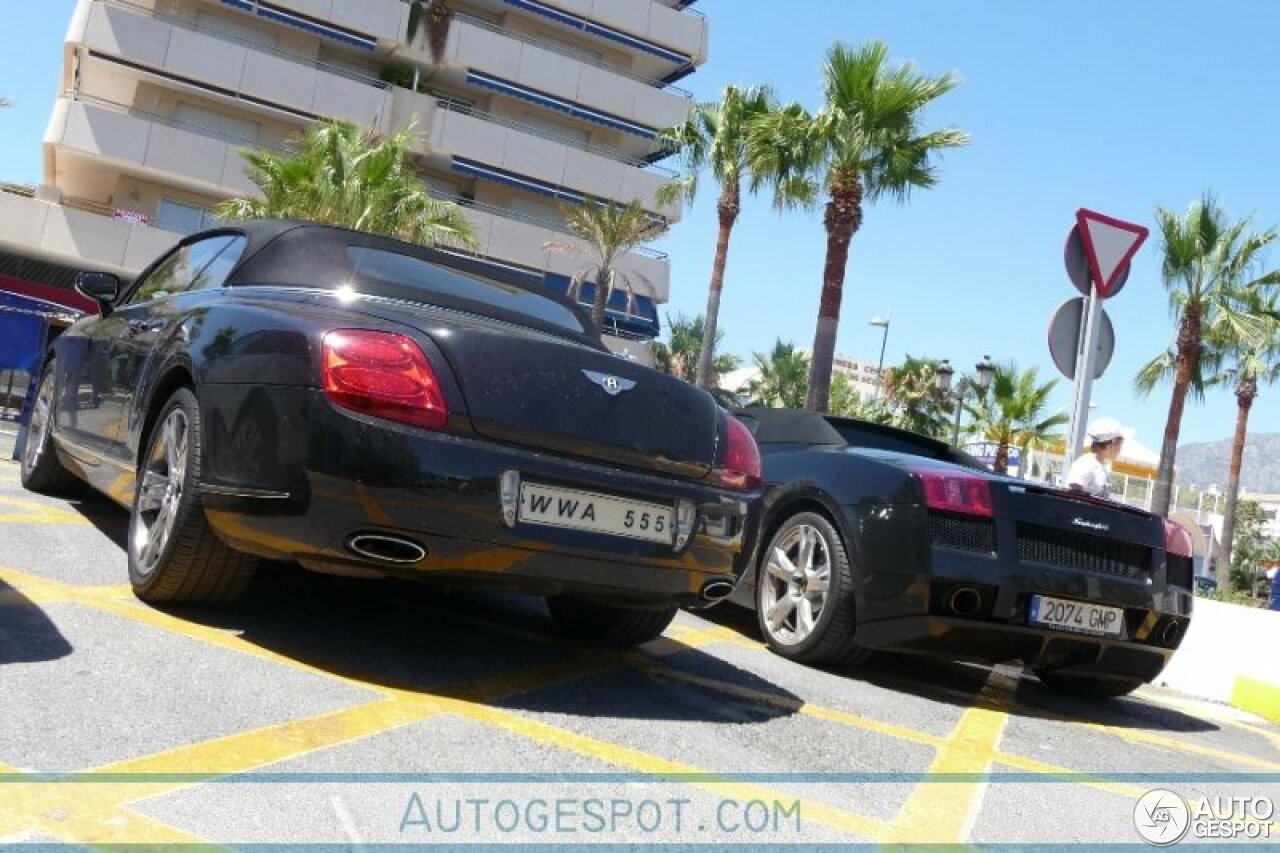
{"x": 369, "y": 408}
{"x": 876, "y": 538}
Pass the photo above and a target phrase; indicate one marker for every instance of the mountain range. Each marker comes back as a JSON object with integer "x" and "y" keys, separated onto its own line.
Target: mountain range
{"x": 1205, "y": 464}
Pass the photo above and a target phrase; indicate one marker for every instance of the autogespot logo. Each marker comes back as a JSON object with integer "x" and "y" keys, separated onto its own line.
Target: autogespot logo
{"x": 1161, "y": 817}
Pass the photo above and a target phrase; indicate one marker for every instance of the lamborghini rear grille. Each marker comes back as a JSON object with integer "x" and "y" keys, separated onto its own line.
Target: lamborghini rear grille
{"x": 962, "y": 532}
{"x": 1180, "y": 570}
{"x": 1053, "y": 547}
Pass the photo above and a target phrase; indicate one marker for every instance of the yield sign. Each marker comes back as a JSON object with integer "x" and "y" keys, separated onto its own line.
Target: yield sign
{"x": 1109, "y": 244}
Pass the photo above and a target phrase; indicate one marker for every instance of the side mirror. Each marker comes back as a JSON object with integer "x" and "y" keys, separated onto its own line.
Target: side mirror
{"x": 101, "y": 287}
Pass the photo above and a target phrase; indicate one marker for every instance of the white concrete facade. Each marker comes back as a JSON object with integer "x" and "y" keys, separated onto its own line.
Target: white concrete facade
{"x": 533, "y": 104}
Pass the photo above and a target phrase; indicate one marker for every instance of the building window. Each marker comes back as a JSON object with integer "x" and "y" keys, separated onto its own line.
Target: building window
{"x": 183, "y": 218}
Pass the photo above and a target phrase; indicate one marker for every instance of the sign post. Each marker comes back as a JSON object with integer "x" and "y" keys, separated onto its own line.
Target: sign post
{"x": 1099, "y": 249}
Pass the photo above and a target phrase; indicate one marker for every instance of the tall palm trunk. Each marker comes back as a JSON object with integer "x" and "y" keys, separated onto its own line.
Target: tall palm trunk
{"x": 842, "y": 220}
{"x": 1246, "y": 391}
{"x": 601, "y": 299}
{"x": 1188, "y": 347}
{"x": 729, "y": 207}
{"x": 1001, "y": 463}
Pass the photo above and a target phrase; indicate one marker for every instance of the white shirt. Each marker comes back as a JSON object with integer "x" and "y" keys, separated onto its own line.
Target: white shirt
{"x": 1090, "y": 475}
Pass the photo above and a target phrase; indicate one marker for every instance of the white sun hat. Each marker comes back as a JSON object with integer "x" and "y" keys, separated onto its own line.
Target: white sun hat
{"x": 1106, "y": 429}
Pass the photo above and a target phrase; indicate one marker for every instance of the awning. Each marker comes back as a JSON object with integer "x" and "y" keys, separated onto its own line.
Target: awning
{"x": 511, "y": 179}
{"x": 542, "y": 99}
{"x": 580, "y": 23}
{"x": 314, "y": 27}
{"x": 55, "y": 299}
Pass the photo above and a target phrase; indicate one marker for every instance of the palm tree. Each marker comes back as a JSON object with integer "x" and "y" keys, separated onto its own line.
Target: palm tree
{"x": 338, "y": 174}
{"x": 1250, "y": 363}
{"x": 435, "y": 15}
{"x": 846, "y": 402}
{"x": 783, "y": 374}
{"x": 910, "y": 391}
{"x": 679, "y": 356}
{"x": 864, "y": 144}
{"x": 1012, "y": 413}
{"x": 1208, "y": 271}
{"x": 717, "y": 136}
{"x": 610, "y": 230}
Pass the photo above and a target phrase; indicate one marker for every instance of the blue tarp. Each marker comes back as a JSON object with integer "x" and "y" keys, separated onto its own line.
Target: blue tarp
{"x": 21, "y": 332}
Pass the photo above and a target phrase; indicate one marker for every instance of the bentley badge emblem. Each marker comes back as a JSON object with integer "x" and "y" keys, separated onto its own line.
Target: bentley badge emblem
{"x": 612, "y": 385}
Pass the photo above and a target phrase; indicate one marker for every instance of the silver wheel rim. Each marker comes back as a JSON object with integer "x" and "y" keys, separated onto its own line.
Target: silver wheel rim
{"x": 160, "y": 490}
{"x": 38, "y": 428}
{"x": 794, "y": 584}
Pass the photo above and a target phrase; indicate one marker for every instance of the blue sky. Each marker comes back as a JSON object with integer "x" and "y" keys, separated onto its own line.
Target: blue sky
{"x": 1114, "y": 106}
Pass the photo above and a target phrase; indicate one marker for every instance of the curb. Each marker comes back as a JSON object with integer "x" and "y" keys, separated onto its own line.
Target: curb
{"x": 1257, "y": 697}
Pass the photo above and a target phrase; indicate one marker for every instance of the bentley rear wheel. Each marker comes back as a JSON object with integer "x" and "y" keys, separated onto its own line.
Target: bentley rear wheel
{"x": 804, "y": 593}
{"x": 174, "y": 556}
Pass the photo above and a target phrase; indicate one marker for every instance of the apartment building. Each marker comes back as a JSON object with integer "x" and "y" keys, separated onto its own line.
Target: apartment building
{"x": 532, "y": 104}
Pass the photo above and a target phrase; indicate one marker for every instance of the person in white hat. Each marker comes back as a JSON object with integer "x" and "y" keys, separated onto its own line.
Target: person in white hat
{"x": 1091, "y": 473}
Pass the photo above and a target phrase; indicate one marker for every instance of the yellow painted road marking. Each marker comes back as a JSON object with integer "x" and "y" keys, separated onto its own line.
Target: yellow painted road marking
{"x": 643, "y": 762}
{"x": 944, "y": 813}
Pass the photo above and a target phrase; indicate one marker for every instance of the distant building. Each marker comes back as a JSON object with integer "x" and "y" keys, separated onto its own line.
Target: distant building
{"x": 532, "y": 104}
{"x": 862, "y": 375}
{"x": 1270, "y": 505}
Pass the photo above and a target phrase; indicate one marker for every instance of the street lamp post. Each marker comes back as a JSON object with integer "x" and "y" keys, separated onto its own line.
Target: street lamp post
{"x": 883, "y": 324}
{"x": 944, "y": 373}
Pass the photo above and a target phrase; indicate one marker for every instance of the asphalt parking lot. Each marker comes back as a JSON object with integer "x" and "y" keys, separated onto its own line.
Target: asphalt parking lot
{"x": 334, "y": 712}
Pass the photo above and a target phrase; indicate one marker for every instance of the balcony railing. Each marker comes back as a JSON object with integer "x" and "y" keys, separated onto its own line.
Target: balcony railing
{"x": 465, "y": 108}
{"x": 369, "y": 79}
{"x": 220, "y": 134}
{"x": 569, "y": 52}
{"x": 531, "y": 219}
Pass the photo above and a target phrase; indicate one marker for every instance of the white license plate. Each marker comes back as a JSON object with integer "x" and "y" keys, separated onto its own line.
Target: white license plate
{"x": 1077, "y": 616}
{"x": 552, "y": 506}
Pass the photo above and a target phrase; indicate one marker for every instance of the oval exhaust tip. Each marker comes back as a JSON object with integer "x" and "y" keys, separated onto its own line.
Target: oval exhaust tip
{"x": 1170, "y": 634}
{"x": 717, "y": 590}
{"x": 964, "y": 601}
{"x": 386, "y": 548}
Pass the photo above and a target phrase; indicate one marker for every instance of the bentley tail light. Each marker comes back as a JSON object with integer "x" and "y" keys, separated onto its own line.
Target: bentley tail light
{"x": 741, "y": 469}
{"x": 952, "y": 491}
{"x": 384, "y": 375}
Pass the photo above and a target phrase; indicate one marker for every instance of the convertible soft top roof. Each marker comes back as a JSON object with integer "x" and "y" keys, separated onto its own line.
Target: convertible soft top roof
{"x": 796, "y": 426}
{"x": 791, "y": 426}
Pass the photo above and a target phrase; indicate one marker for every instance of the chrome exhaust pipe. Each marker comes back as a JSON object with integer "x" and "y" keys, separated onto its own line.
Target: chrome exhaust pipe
{"x": 713, "y": 591}
{"x": 386, "y": 548}
{"x": 1169, "y": 635}
{"x": 965, "y": 601}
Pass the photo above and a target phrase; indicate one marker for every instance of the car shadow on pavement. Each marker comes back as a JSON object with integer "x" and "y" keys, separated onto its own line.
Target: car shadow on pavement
{"x": 27, "y": 634}
{"x": 968, "y": 684}
{"x": 442, "y": 642}
{"x": 102, "y": 513}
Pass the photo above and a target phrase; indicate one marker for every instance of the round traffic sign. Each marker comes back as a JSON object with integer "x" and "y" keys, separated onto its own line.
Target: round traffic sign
{"x": 1077, "y": 262}
{"x": 1064, "y": 338}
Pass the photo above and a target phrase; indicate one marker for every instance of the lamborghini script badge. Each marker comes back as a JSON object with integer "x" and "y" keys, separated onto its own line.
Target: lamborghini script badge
{"x": 612, "y": 385}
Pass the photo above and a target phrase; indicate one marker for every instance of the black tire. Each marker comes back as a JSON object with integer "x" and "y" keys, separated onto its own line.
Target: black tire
{"x": 1084, "y": 685}
{"x": 607, "y": 624}
{"x": 831, "y": 640}
{"x": 40, "y": 469}
{"x": 191, "y": 565}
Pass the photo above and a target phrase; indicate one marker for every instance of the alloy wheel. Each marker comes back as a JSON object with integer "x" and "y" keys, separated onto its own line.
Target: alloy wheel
{"x": 160, "y": 492}
{"x": 795, "y": 584}
{"x": 38, "y": 427}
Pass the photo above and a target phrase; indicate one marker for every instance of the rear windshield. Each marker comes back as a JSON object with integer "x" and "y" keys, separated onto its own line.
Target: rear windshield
{"x": 391, "y": 269}
{"x": 335, "y": 259}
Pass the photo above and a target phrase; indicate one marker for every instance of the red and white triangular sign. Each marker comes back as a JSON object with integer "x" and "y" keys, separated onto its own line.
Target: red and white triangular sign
{"x": 1109, "y": 244}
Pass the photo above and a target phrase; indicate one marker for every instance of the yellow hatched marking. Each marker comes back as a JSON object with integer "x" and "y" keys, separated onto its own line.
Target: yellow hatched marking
{"x": 643, "y": 762}
{"x": 1205, "y": 710}
{"x": 32, "y": 512}
{"x": 943, "y": 813}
